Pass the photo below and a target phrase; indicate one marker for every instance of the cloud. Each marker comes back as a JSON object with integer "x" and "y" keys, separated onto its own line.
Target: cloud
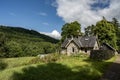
{"x": 42, "y": 14}
{"x": 55, "y": 34}
{"x": 86, "y": 12}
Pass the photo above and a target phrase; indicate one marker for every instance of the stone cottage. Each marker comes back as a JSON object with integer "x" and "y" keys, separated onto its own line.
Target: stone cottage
{"x": 80, "y": 44}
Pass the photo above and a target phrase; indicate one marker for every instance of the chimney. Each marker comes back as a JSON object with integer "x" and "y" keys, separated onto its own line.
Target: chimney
{"x": 72, "y": 37}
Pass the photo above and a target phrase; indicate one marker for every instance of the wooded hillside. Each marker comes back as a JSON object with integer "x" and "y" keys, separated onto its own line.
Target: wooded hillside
{"x": 16, "y": 42}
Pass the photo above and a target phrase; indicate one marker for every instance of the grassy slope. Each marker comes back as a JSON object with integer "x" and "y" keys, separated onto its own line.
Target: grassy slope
{"x": 16, "y": 62}
{"x": 13, "y": 64}
{"x": 66, "y": 68}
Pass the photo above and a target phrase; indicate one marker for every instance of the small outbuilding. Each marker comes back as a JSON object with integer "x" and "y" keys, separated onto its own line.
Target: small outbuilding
{"x": 106, "y": 46}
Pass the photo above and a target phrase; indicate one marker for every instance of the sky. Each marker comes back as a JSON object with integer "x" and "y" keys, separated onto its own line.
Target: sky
{"x": 48, "y": 16}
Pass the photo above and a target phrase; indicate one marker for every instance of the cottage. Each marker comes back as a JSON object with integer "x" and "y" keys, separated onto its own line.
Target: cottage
{"x": 80, "y": 44}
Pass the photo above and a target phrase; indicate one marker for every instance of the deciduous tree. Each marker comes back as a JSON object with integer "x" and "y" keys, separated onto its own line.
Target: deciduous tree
{"x": 105, "y": 31}
{"x": 71, "y": 29}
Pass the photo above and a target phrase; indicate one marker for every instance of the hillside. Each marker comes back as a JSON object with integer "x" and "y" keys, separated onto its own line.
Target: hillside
{"x": 21, "y": 32}
{"x": 16, "y": 42}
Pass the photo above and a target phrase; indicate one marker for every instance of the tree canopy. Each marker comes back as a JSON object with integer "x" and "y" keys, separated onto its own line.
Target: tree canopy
{"x": 117, "y": 31}
{"x": 71, "y": 29}
{"x": 18, "y": 42}
{"x": 105, "y": 30}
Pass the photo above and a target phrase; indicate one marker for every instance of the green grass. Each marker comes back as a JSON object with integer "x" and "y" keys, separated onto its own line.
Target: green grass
{"x": 16, "y": 62}
{"x": 65, "y": 68}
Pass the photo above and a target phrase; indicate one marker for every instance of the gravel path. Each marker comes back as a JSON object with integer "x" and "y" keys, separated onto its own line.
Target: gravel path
{"x": 113, "y": 72}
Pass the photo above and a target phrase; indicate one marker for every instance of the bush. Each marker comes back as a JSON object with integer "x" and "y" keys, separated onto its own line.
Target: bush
{"x": 35, "y": 60}
{"x": 101, "y": 54}
{"x": 45, "y": 58}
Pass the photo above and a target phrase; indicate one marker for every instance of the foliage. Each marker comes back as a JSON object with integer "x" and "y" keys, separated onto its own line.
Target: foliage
{"x": 89, "y": 30}
{"x": 71, "y": 29}
{"x": 3, "y": 48}
{"x": 104, "y": 30}
{"x": 46, "y": 58}
{"x": 18, "y": 42}
{"x": 117, "y": 31}
{"x": 21, "y": 32}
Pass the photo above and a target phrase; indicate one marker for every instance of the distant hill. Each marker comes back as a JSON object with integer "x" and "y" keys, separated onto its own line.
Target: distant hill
{"x": 22, "y": 32}
{"x": 18, "y": 42}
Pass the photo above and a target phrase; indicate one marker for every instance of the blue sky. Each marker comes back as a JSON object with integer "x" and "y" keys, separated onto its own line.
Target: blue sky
{"x": 43, "y": 16}
{"x": 39, "y": 15}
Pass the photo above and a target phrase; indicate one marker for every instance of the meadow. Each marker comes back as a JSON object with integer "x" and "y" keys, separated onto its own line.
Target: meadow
{"x": 60, "y": 67}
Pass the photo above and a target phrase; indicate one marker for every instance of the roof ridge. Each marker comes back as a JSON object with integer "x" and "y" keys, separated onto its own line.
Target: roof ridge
{"x": 80, "y": 41}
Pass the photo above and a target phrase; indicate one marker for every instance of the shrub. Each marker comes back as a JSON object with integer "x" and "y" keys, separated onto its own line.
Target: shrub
{"x": 34, "y": 60}
{"x": 46, "y": 58}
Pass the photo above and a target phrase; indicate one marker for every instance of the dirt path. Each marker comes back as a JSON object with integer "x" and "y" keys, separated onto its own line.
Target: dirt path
{"x": 113, "y": 72}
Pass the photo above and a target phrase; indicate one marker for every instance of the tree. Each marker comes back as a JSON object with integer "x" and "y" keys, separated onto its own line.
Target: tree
{"x": 116, "y": 24}
{"x": 117, "y": 30}
{"x": 2, "y": 39}
{"x": 48, "y": 48}
{"x": 71, "y": 29}
{"x": 89, "y": 30}
{"x": 14, "y": 48}
{"x": 105, "y": 31}
{"x": 3, "y": 48}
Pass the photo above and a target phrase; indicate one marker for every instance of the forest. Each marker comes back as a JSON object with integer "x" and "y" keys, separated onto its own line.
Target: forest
{"x": 19, "y": 42}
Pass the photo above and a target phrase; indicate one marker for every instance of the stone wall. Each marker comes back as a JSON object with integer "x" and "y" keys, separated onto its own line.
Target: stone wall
{"x": 72, "y": 48}
{"x": 96, "y": 47}
{"x": 101, "y": 54}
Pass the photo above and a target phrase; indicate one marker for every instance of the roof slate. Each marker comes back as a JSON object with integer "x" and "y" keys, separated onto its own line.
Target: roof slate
{"x": 84, "y": 41}
{"x": 110, "y": 47}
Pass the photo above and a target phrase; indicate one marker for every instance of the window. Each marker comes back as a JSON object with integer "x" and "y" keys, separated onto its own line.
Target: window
{"x": 86, "y": 50}
{"x": 73, "y": 50}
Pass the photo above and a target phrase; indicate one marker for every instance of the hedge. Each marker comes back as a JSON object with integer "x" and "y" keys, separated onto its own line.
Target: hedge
{"x": 101, "y": 54}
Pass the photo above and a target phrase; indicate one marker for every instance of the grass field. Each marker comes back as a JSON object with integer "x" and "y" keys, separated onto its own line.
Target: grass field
{"x": 65, "y": 68}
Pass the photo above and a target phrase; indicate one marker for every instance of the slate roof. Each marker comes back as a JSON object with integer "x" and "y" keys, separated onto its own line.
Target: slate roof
{"x": 84, "y": 41}
{"x": 108, "y": 46}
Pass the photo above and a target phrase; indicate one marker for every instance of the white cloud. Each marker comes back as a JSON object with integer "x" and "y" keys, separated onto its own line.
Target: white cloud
{"x": 81, "y": 11}
{"x": 55, "y": 34}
